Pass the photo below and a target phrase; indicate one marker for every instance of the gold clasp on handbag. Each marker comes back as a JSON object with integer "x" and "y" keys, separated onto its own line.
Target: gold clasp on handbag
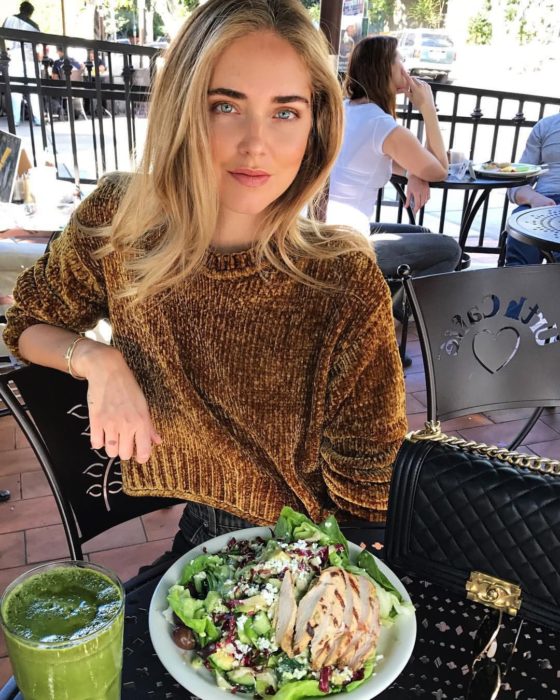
{"x": 494, "y": 592}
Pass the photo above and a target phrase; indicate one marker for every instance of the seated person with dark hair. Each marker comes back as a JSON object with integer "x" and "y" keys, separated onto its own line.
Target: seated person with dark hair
{"x": 543, "y": 146}
{"x": 58, "y": 65}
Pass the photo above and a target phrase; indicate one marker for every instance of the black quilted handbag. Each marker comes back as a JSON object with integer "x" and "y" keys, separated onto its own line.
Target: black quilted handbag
{"x": 481, "y": 521}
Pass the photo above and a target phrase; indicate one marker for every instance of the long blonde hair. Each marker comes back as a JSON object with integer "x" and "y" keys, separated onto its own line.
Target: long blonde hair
{"x": 174, "y": 194}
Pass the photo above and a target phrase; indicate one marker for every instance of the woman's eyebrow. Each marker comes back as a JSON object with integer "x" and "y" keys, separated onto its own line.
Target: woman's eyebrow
{"x": 236, "y": 95}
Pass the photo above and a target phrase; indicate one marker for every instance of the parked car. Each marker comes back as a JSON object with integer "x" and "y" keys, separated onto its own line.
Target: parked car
{"x": 428, "y": 53}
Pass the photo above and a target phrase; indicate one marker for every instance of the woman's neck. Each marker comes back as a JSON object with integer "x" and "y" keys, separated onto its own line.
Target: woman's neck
{"x": 235, "y": 232}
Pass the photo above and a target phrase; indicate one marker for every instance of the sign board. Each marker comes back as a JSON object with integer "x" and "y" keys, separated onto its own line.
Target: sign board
{"x": 10, "y": 149}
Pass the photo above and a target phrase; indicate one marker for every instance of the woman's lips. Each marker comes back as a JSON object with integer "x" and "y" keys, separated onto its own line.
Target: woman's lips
{"x": 250, "y": 178}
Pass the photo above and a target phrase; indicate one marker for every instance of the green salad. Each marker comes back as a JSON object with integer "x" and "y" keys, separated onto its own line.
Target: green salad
{"x": 288, "y": 617}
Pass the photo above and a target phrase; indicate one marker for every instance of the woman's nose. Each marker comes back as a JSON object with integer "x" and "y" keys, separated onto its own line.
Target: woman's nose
{"x": 252, "y": 139}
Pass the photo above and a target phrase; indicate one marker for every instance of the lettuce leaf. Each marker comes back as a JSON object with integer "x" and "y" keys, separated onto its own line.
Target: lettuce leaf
{"x": 192, "y": 612}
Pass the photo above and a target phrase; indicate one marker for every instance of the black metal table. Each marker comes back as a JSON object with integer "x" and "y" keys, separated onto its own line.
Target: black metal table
{"x": 539, "y": 227}
{"x": 438, "y": 668}
{"x": 477, "y": 191}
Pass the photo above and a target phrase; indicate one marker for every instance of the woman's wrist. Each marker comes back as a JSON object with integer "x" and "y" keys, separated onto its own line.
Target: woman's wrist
{"x": 91, "y": 354}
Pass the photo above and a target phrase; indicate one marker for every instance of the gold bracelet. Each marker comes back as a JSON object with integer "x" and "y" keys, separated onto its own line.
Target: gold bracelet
{"x": 68, "y": 356}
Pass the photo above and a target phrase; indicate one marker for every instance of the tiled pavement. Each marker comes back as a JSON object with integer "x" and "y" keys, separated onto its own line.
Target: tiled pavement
{"x": 31, "y": 531}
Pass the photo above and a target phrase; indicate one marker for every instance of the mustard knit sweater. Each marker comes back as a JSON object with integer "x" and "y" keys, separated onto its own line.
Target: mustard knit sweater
{"x": 266, "y": 392}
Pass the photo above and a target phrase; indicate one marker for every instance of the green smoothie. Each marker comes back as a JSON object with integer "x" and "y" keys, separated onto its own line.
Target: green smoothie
{"x": 63, "y": 625}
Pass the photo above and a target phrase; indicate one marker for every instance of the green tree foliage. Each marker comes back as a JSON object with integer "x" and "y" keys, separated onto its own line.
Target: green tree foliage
{"x": 428, "y": 13}
{"x": 380, "y": 14}
{"x": 479, "y": 30}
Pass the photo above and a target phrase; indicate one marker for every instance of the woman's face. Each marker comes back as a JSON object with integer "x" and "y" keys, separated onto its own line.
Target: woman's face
{"x": 260, "y": 119}
{"x": 399, "y": 82}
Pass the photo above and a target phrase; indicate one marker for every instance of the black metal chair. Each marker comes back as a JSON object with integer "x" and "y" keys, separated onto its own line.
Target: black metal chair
{"x": 490, "y": 340}
{"x": 86, "y": 483}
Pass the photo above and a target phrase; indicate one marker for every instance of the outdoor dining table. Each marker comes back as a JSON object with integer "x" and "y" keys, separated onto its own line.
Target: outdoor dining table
{"x": 478, "y": 190}
{"x": 539, "y": 227}
{"x": 438, "y": 668}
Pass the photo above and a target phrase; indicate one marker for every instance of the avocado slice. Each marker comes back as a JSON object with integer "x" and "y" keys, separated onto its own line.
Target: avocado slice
{"x": 254, "y": 603}
{"x": 265, "y": 680}
{"x": 222, "y": 660}
{"x": 261, "y": 624}
{"x": 241, "y": 676}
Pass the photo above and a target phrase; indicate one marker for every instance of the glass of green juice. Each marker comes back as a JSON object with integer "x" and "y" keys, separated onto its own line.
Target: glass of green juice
{"x": 63, "y": 624}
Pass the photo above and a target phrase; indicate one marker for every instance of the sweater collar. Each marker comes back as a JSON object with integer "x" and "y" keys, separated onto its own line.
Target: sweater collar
{"x": 239, "y": 264}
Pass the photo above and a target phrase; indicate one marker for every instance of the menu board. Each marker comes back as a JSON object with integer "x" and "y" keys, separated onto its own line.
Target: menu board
{"x": 10, "y": 149}
{"x": 351, "y": 30}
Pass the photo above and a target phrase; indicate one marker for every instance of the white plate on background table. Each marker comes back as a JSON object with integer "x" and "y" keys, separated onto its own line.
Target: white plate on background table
{"x": 520, "y": 169}
{"x": 395, "y": 642}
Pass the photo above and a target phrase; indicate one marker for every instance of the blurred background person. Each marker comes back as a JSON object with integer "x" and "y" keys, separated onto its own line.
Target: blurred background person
{"x": 542, "y": 148}
{"x": 19, "y": 65}
{"x": 374, "y": 147}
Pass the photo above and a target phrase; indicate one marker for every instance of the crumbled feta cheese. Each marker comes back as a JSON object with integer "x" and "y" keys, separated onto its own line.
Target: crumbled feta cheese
{"x": 341, "y": 675}
{"x": 241, "y": 620}
{"x": 240, "y": 649}
{"x": 269, "y": 594}
{"x": 264, "y": 644}
{"x": 295, "y": 674}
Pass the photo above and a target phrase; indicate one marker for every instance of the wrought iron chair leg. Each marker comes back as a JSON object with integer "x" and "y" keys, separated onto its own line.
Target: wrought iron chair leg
{"x": 526, "y": 428}
{"x": 502, "y": 248}
{"x": 404, "y": 328}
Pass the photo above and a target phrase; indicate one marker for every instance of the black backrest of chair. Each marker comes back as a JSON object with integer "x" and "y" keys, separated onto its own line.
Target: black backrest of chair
{"x": 87, "y": 484}
{"x": 490, "y": 338}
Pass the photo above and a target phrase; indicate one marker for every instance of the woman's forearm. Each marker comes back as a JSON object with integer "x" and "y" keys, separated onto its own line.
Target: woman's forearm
{"x": 434, "y": 138}
{"x": 47, "y": 345}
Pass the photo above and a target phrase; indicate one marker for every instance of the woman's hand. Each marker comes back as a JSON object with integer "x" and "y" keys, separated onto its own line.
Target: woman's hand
{"x": 119, "y": 416}
{"x": 417, "y": 193}
{"x": 420, "y": 94}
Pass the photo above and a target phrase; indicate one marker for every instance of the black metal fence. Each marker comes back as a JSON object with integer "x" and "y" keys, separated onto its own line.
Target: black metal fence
{"x": 483, "y": 124}
{"x": 108, "y": 93}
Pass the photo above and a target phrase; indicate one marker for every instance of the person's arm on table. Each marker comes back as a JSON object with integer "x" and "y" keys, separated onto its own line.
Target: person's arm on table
{"x": 417, "y": 190}
{"x": 119, "y": 414}
{"x": 62, "y": 295}
{"x": 526, "y": 194}
{"x": 365, "y": 419}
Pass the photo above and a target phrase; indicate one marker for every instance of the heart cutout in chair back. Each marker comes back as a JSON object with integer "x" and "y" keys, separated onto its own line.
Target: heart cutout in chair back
{"x": 495, "y": 350}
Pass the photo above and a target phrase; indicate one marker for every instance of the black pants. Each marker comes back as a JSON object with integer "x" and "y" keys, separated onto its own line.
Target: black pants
{"x": 200, "y": 523}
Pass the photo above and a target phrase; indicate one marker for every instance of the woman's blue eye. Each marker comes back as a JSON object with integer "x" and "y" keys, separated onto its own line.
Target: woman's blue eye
{"x": 286, "y": 114}
{"x": 223, "y": 108}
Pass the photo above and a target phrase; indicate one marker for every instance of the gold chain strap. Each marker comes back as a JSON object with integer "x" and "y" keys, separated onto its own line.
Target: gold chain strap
{"x": 432, "y": 431}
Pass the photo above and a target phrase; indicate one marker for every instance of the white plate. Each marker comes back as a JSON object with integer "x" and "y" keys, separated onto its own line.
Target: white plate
{"x": 395, "y": 642}
{"x": 525, "y": 170}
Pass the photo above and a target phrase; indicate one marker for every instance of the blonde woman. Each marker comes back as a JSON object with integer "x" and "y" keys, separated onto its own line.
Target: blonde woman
{"x": 254, "y": 362}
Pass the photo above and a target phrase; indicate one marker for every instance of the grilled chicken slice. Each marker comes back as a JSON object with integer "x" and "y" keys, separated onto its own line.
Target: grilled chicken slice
{"x": 331, "y": 623}
{"x": 286, "y": 615}
{"x": 309, "y": 613}
{"x": 344, "y": 635}
{"x": 368, "y": 642}
{"x": 359, "y": 638}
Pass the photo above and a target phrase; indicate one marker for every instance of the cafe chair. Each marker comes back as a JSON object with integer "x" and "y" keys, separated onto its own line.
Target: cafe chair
{"x": 51, "y": 409}
{"x": 490, "y": 340}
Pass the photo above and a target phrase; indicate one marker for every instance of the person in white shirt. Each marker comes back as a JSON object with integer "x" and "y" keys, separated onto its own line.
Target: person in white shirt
{"x": 375, "y": 146}
{"x": 23, "y": 21}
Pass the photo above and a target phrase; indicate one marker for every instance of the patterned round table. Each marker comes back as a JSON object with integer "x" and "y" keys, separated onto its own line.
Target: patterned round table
{"x": 539, "y": 227}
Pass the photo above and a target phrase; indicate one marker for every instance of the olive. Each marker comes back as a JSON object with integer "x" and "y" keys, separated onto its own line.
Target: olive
{"x": 183, "y": 637}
